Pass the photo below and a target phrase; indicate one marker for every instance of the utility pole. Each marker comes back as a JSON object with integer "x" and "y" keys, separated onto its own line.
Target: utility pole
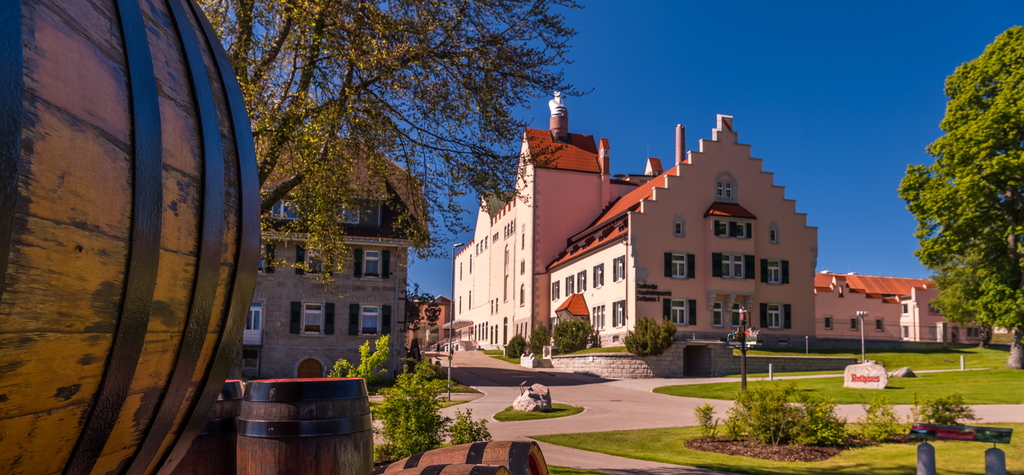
{"x": 743, "y": 349}
{"x": 862, "y": 314}
{"x": 451, "y": 323}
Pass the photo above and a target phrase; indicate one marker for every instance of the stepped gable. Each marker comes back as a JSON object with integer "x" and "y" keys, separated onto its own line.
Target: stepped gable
{"x": 578, "y": 154}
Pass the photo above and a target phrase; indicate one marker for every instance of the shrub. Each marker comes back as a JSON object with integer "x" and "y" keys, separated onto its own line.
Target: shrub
{"x": 539, "y": 338}
{"x": 409, "y": 417}
{"x": 515, "y": 347}
{"x": 649, "y": 338}
{"x": 734, "y": 424}
{"x": 370, "y": 363}
{"x": 880, "y": 420}
{"x": 944, "y": 410}
{"x": 706, "y": 418}
{"x": 572, "y": 335}
{"x": 821, "y": 426}
{"x": 765, "y": 415}
{"x": 464, "y": 430}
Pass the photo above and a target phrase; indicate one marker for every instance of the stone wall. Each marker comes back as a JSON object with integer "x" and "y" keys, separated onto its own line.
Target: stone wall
{"x": 624, "y": 365}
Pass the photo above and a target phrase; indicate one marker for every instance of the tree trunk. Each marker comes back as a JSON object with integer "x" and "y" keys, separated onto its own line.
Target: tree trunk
{"x": 1016, "y": 360}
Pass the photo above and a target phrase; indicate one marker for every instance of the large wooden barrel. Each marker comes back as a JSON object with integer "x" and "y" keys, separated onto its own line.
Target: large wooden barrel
{"x": 456, "y": 469}
{"x": 213, "y": 450}
{"x": 129, "y": 232}
{"x": 521, "y": 458}
{"x": 314, "y": 426}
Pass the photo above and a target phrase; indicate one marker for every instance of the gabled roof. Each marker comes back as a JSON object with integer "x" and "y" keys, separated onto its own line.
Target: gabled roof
{"x": 875, "y": 286}
{"x": 728, "y": 209}
{"x": 579, "y": 249}
{"x": 823, "y": 281}
{"x": 629, "y": 202}
{"x": 576, "y": 305}
{"x": 580, "y": 154}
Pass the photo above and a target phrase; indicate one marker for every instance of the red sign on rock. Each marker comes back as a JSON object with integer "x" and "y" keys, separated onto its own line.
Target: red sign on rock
{"x": 865, "y": 376}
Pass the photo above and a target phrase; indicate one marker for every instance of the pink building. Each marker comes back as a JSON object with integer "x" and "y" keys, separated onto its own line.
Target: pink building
{"x": 897, "y": 309}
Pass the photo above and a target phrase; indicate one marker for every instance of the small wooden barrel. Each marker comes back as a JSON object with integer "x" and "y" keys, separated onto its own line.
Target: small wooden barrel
{"x": 456, "y": 469}
{"x": 213, "y": 451}
{"x": 129, "y": 232}
{"x": 315, "y": 426}
{"x": 521, "y": 458}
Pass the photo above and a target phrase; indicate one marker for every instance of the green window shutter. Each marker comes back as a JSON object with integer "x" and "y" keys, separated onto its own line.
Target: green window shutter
{"x": 716, "y": 264}
{"x": 787, "y": 316}
{"x": 732, "y": 228}
{"x": 749, "y": 229}
{"x": 764, "y": 270}
{"x": 668, "y": 264}
{"x": 268, "y": 248}
{"x": 717, "y": 224}
{"x": 293, "y": 325}
{"x": 385, "y": 264}
{"x": 748, "y": 266}
{"x": 785, "y": 272}
{"x": 692, "y": 310}
{"x": 357, "y": 263}
{"x": 690, "y": 266}
{"x": 764, "y": 315}
{"x": 300, "y": 258}
{"x": 385, "y": 316}
{"x": 666, "y": 308}
{"x": 353, "y": 319}
{"x": 329, "y": 318}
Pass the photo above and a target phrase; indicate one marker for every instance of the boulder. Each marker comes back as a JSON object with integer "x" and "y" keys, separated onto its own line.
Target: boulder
{"x": 865, "y": 376}
{"x": 904, "y": 372}
{"x": 536, "y": 398}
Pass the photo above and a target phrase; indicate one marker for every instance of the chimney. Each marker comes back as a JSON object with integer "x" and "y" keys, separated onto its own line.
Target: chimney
{"x": 604, "y": 157}
{"x": 559, "y": 119}
{"x": 680, "y": 144}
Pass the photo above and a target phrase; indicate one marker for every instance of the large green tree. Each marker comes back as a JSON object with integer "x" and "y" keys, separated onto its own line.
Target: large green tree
{"x": 341, "y": 91}
{"x": 969, "y": 204}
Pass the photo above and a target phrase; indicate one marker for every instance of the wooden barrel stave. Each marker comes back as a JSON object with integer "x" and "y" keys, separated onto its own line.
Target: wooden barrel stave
{"x": 455, "y": 469}
{"x": 521, "y": 458}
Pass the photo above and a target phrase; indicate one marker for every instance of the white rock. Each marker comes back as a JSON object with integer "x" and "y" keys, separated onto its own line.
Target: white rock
{"x": 865, "y": 376}
{"x": 904, "y": 372}
{"x": 536, "y": 398}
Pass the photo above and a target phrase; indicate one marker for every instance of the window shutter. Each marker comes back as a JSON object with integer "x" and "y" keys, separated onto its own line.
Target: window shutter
{"x": 329, "y": 318}
{"x": 732, "y": 228}
{"x": 293, "y": 325}
{"x": 385, "y": 317}
{"x": 787, "y": 317}
{"x": 717, "y": 224}
{"x": 785, "y": 272}
{"x": 749, "y": 229}
{"x": 385, "y": 264}
{"x": 268, "y": 248}
{"x": 666, "y": 308}
{"x": 300, "y": 257}
{"x": 748, "y": 266}
{"x": 353, "y": 319}
{"x": 764, "y": 315}
{"x": 764, "y": 270}
{"x": 692, "y": 311}
{"x": 668, "y": 264}
{"x": 357, "y": 263}
{"x": 690, "y": 265}
{"x": 716, "y": 264}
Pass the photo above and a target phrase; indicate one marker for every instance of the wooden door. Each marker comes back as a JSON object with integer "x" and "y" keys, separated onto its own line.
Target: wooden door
{"x": 311, "y": 369}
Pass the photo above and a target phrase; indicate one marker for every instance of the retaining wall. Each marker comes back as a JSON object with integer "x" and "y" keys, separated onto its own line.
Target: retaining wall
{"x": 624, "y": 365}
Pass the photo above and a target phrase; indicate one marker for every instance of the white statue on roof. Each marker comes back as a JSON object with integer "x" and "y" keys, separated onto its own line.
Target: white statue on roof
{"x": 557, "y": 106}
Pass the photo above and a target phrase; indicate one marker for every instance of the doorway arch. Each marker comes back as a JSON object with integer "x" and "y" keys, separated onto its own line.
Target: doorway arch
{"x": 310, "y": 368}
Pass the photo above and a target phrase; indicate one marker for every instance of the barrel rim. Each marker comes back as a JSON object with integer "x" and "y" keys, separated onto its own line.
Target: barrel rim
{"x": 303, "y": 428}
{"x": 232, "y": 390}
{"x": 304, "y": 389}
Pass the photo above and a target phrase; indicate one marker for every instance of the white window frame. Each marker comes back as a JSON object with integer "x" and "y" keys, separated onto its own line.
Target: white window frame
{"x": 828, "y": 322}
{"x": 774, "y": 271}
{"x": 570, "y": 285}
{"x": 774, "y": 315}
{"x": 729, "y": 263}
{"x": 522, "y": 294}
{"x": 679, "y": 266}
{"x": 257, "y": 308}
{"x": 619, "y": 269}
{"x": 599, "y": 276}
{"x": 717, "y": 315}
{"x": 619, "y": 313}
{"x": 581, "y": 281}
{"x": 678, "y": 311}
{"x": 556, "y": 290}
{"x": 374, "y": 257}
{"x": 773, "y": 235}
{"x": 369, "y": 311}
{"x": 906, "y": 332}
{"x": 597, "y": 314}
{"x": 720, "y": 189}
{"x": 853, "y": 324}
{"x": 312, "y": 318}
{"x": 728, "y": 190}
{"x": 722, "y": 230}
{"x": 741, "y": 230}
{"x": 283, "y": 209}
{"x": 906, "y": 308}
{"x": 677, "y": 228}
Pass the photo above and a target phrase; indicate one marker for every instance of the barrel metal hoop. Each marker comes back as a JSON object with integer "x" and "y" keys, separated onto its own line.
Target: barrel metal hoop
{"x": 433, "y": 469}
{"x": 11, "y": 83}
{"x": 311, "y": 428}
{"x": 485, "y": 470}
{"x": 144, "y": 248}
{"x": 258, "y": 391}
{"x": 475, "y": 455}
{"x": 519, "y": 457}
{"x": 223, "y": 425}
{"x": 413, "y": 461}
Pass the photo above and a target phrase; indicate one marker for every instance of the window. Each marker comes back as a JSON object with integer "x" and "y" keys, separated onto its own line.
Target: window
{"x": 720, "y": 190}
{"x": 266, "y": 259}
{"x": 522, "y": 267}
{"x": 906, "y": 309}
{"x": 554, "y": 290}
{"x": 370, "y": 321}
{"x": 312, "y": 318}
{"x": 721, "y": 228}
{"x": 598, "y": 275}
{"x": 581, "y": 281}
{"x": 250, "y": 357}
{"x": 597, "y": 317}
{"x": 879, "y": 325}
{"x": 773, "y": 235}
{"x": 973, "y": 332}
{"x": 283, "y": 209}
{"x": 470, "y": 300}
{"x": 735, "y": 314}
{"x": 618, "y": 268}
{"x": 362, "y": 213}
{"x": 470, "y": 264}
{"x": 728, "y": 190}
{"x": 314, "y": 263}
{"x": 522, "y": 294}
{"x": 677, "y": 228}
{"x": 255, "y": 318}
{"x": 732, "y": 265}
{"x": 460, "y": 305}
{"x": 371, "y": 264}
{"x": 619, "y": 313}
{"x": 460, "y": 271}
{"x": 774, "y": 272}
{"x": 931, "y": 309}
{"x": 679, "y": 266}
{"x": 906, "y": 332}
{"x": 716, "y": 314}
{"x": 853, "y": 324}
{"x": 740, "y": 229}
{"x": 569, "y": 288}
{"x": 774, "y": 315}
{"x": 678, "y": 312}
{"x": 828, "y": 322}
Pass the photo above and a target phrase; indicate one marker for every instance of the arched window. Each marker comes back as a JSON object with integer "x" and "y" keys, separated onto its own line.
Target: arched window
{"x": 726, "y": 187}
{"x": 522, "y": 295}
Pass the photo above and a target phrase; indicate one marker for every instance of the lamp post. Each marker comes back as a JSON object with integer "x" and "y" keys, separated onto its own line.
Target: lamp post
{"x": 862, "y": 314}
{"x": 451, "y": 323}
{"x": 743, "y": 349}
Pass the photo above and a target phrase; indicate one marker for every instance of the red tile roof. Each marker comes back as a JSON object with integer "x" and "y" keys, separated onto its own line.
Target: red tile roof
{"x": 575, "y": 305}
{"x": 629, "y": 202}
{"x": 875, "y": 286}
{"x": 823, "y": 281}
{"x": 580, "y": 154}
{"x": 728, "y": 209}
{"x": 609, "y": 234}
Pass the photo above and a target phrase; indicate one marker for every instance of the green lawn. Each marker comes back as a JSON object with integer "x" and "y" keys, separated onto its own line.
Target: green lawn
{"x": 501, "y": 356}
{"x": 556, "y": 470}
{"x": 667, "y": 446}
{"x": 995, "y": 386}
{"x": 948, "y": 358}
{"x": 557, "y": 410}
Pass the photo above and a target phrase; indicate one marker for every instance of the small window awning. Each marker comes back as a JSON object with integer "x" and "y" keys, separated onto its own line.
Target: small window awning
{"x": 728, "y": 209}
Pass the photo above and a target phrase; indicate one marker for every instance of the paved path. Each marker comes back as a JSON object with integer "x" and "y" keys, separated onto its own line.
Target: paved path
{"x": 612, "y": 405}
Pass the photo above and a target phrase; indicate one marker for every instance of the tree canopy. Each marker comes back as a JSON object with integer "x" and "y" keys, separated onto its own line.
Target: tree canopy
{"x": 343, "y": 93}
{"x": 969, "y": 204}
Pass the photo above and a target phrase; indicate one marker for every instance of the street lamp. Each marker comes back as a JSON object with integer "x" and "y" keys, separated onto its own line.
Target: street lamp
{"x": 451, "y": 323}
{"x": 862, "y": 314}
{"x": 743, "y": 349}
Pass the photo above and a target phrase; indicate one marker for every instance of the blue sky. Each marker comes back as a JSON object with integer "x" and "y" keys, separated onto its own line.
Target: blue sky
{"x": 836, "y": 97}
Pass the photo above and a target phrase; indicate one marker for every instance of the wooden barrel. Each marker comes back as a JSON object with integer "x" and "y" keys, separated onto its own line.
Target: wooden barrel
{"x": 521, "y": 458}
{"x": 315, "y": 426}
{"x": 129, "y": 232}
{"x": 456, "y": 469}
{"x": 213, "y": 450}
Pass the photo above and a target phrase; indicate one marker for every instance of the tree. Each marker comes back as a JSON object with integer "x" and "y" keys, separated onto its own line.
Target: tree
{"x": 650, "y": 338}
{"x": 969, "y": 204}
{"x": 409, "y": 418}
{"x": 572, "y": 335}
{"x": 370, "y": 363}
{"x": 358, "y": 104}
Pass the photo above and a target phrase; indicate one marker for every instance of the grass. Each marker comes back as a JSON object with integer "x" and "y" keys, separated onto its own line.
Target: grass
{"x": 556, "y": 470}
{"x": 610, "y": 349}
{"x": 947, "y": 358}
{"x": 668, "y": 446}
{"x": 501, "y": 356}
{"x": 994, "y": 386}
{"x": 557, "y": 410}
